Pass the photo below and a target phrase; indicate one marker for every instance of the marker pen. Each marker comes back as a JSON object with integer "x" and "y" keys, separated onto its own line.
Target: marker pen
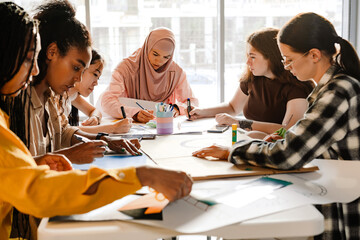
{"x": 189, "y": 107}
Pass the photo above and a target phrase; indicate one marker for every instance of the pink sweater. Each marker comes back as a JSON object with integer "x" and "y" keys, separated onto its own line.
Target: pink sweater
{"x": 110, "y": 103}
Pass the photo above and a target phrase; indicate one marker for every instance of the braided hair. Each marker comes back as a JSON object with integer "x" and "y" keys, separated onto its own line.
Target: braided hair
{"x": 19, "y": 32}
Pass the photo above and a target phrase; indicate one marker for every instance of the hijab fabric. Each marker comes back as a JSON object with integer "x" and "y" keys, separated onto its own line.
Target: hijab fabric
{"x": 145, "y": 82}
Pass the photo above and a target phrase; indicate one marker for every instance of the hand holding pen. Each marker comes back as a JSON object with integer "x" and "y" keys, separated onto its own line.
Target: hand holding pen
{"x": 85, "y": 152}
{"x": 143, "y": 115}
{"x": 188, "y": 108}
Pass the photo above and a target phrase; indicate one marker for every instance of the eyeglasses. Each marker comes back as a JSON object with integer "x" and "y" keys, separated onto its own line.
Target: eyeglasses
{"x": 288, "y": 64}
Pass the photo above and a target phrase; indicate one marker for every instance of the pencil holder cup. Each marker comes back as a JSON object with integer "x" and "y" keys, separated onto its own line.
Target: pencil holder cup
{"x": 164, "y": 123}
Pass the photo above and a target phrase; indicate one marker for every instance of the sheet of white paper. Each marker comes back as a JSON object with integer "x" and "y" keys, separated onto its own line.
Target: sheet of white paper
{"x": 183, "y": 125}
{"x": 336, "y": 181}
{"x": 131, "y": 102}
{"x": 188, "y": 215}
{"x": 105, "y": 213}
{"x": 184, "y": 216}
{"x": 244, "y": 194}
{"x": 172, "y": 146}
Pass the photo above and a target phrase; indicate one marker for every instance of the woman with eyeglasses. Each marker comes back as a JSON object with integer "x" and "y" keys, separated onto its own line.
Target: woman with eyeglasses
{"x": 268, "y": 95}
{"x": 330, "y": 128}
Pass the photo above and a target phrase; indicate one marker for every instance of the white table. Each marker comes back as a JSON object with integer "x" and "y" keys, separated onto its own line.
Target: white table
{"x": 299, "y": 222}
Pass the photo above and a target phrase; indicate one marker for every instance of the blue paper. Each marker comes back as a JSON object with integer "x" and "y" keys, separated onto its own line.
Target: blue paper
{"x": 115, "y": 161}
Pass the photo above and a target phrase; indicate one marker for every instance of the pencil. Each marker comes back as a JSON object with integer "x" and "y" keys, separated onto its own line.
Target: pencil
{"x": 140, "y": 106}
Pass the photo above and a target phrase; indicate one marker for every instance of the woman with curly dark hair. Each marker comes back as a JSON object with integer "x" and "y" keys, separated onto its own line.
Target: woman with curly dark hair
{"x": 39, "y": 190}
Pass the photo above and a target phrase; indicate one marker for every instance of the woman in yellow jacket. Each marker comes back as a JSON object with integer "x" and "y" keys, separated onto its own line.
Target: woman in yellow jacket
{"x": 38, "y": 190}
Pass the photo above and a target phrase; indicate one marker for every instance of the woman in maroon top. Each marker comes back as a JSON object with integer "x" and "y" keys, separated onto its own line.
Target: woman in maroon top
{"x": 269, "y": 96}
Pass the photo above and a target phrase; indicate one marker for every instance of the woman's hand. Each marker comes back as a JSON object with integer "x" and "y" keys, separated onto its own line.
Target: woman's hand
{"x": 91, "y": 121}
{"x": 118, "y": 145}
{"x": 121, "y": 126}
{"x": 215, "y": 151}
{"x": 272, "y": 137}
{"x": 196, "y": 113}
{"x": 172, "y": 184}
{"x": 84, "y": 152}
{"x": 144, "y": 116}
{"x": 225, "y": 119}
{"x": 57, "y": 162}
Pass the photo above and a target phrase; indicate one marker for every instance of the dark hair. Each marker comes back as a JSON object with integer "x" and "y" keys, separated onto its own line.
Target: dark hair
{"x": 59, "y": 25}
{"x": 264, "y": 41}
{"x": 310, "y": 30}
{"x": 19, "y": 32}
{"x": 95, "y": 56}
{"x": 74, "y": 113}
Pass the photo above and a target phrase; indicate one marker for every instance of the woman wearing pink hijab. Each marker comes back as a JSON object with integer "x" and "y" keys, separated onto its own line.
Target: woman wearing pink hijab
{"x": 148, "y": 74}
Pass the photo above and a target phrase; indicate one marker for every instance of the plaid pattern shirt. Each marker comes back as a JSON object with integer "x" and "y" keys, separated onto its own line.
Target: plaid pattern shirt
{"x": 330, "y": 129}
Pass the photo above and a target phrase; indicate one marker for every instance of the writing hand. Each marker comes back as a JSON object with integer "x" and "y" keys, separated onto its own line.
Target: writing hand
{"x": 57, "y": 162}
{"x": 172, "y": 184}
{"x": 121, "y": 126}
{"x": 144, "y": 116}
{"x": 117, "y": 145}
{"x": 215, "y": 151}
{"x": 196, "y": 113}
{"x": 81, "y": 153}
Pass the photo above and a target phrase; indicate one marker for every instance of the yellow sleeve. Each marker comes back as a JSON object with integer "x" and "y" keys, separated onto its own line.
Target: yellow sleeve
{"x": 41, "y": 192}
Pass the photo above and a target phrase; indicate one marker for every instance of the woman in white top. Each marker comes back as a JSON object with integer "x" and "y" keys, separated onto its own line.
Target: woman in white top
{"x": 74, "y": 101}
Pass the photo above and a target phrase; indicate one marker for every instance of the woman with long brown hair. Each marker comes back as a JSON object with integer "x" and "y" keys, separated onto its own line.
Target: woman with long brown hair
{"x": 268, "y": 95}
{"x": 330, "y": 128}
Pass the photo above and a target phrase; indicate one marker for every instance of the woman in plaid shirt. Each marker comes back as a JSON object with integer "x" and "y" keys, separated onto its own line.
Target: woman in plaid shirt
{"x": 330, "y": 127}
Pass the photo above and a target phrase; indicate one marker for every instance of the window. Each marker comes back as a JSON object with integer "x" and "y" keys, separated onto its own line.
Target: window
{"x": 118, "y": 30}
{"x": 244, "y": 17}
{"x": 119, "y": 27}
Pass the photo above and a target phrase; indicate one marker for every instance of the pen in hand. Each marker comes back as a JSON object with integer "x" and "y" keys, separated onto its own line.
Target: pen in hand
{"x": 123, "y": 112}
{"x": 82, "y": 139}
{"x": 85, "y": 140}
{"x": 140, "y": 106}
{"x": 189, "y": 107}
